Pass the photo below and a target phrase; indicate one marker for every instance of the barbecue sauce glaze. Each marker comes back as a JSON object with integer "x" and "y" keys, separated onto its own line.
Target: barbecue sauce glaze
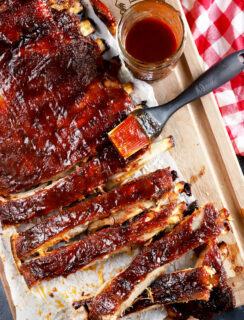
{"x": 56, "y": 99}
{"x": 150, "y": 40}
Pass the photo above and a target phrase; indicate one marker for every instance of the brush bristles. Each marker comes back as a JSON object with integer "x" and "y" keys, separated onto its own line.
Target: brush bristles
{"x": 128, "y": 137}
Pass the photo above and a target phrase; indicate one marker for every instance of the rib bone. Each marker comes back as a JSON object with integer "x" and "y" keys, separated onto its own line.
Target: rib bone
{"x": 86, "y": 28}
{"x": 72, "y": 6}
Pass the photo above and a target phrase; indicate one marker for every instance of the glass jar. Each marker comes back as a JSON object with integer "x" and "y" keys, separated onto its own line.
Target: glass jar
{"x": 157, "y": 9}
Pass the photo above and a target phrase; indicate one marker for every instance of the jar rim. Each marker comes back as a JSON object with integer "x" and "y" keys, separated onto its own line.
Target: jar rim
{"x": 150, "y": 65}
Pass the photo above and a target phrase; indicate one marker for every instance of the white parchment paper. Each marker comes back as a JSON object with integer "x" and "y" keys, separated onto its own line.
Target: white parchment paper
{"x": 53, "y": 299}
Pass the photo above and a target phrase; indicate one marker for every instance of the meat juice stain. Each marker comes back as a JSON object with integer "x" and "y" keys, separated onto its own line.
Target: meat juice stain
{"x": 150, "y": 40}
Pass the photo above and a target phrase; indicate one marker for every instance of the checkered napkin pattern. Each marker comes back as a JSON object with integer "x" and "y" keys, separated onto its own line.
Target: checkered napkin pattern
{"x": 218, "y": 30}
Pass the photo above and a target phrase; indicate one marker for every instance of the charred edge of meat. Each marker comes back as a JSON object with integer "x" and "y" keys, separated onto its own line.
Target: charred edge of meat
{"x": 191, "y": 208}
{"x": 187, "y": 189}
{"x": 113, "y": 65}
{"x": 221, "y": 300}
{"x": 174, "y": 174}
{"x": 221, "y": 297}
{"x": 181, "y": 286}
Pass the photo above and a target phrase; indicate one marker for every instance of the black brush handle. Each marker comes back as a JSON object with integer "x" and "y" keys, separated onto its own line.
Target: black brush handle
{"x": 213, "y": 78}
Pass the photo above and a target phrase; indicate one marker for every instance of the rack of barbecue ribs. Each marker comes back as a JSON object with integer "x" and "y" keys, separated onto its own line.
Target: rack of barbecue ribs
{"x": 61, "y": 100}
{"x": 58, "y": 99}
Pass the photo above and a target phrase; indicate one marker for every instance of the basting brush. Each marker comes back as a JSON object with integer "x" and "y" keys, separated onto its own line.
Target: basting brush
{"x": 142, "y": 126}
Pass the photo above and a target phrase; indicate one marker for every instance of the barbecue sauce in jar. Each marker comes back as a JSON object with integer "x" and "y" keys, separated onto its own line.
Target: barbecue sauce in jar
{"x": 150, "y": 40}
{"x": 151, "y": 37}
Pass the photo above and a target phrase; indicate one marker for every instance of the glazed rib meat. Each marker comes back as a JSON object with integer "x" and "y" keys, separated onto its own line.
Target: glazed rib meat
{"x": 82, "y": 181}
{"x": 186, "y": 285}
{"x": 181, "y": 286}
{"x": 101, "y": 244}
{"x": 221, "y": 297}
{"x": 54, "y": 228}
{"x": 18, "y": 17}
{"x": 58, "y": 101}
{"x": 131, "y": 211}
{"x": 117, "y": 294}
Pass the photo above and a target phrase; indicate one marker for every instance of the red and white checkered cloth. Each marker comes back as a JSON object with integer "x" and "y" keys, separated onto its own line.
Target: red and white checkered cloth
{"x": 218, "y": 30}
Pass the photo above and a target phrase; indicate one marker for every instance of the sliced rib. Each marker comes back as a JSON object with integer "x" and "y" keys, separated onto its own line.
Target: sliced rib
{"x": 129, "y": 212}
{"x": 221, "y": 297}
{"x": 101, "y": 245}
{"x": 117, "y": 294}
{"x": 60, "y": 100}
{"x": 57, "y": 227}
{"x": 181, "y": 286}
{"x": 82, "y": 181}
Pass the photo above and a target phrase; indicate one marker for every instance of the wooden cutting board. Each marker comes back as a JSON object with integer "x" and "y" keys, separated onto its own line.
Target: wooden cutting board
{"x": 203, "y": 149}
